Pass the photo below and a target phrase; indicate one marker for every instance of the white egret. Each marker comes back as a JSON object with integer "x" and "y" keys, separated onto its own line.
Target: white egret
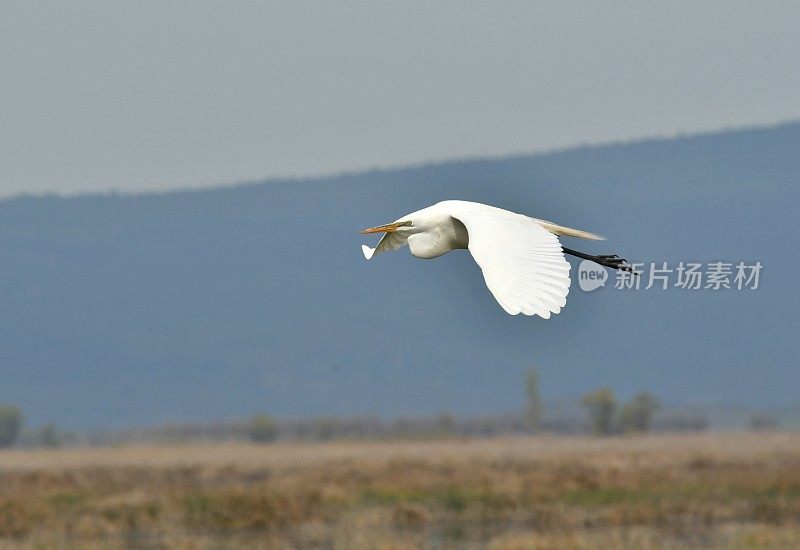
{"x": 521, "y": 258}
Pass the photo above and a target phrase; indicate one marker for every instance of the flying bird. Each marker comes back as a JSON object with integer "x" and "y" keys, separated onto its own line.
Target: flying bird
{"x": 521, "y": 258}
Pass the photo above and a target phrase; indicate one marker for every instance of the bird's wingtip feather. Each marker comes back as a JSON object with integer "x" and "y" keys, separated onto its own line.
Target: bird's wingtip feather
{"x": 368, "y": 252}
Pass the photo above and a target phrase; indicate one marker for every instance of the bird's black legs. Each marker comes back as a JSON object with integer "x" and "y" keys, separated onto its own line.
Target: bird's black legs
{"x": 609, "y": 260}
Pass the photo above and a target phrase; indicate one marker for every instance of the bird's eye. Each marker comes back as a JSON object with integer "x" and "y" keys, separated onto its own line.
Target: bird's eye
{"x": 408, "y": 223}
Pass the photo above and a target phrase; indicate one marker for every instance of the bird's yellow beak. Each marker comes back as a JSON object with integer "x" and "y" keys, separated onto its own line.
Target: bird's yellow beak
{"x": 388, "y": 228}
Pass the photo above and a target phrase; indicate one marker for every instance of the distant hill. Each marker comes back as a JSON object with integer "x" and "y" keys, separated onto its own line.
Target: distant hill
{"x": 214, "y": 304}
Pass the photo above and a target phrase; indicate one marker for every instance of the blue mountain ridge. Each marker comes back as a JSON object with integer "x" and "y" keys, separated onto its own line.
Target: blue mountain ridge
{"x": 122, "y": 310}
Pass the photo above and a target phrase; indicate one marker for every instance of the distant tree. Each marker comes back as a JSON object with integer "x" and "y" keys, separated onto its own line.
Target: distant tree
{"x": 637, "y": 415}
{"x": 262, "y": 429}
{"x": 763, "y": 422}
{"x": 10, "y": 424}
{"x": 602, "y": 406}
{"x": 533, "y": 411}
{"x": 49, "y": 436}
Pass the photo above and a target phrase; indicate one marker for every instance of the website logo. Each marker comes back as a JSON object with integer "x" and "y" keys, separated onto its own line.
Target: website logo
{"x": 591, "y": 276}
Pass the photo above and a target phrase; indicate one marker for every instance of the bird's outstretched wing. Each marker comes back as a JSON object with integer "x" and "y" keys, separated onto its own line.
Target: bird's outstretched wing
{"x": 522, "y": 263}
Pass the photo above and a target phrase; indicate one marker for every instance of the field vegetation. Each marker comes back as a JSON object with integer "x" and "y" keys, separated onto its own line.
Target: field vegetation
{"x": 698, "y": 490}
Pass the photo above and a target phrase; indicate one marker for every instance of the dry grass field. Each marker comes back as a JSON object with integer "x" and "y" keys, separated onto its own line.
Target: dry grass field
{"x": 709, "y": 490}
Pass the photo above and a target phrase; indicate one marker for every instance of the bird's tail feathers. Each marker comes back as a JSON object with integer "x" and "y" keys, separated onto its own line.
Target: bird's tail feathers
{"x": 562, "y": 231}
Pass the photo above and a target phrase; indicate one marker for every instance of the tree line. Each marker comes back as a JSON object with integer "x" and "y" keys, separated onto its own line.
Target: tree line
{"x": 604, "y": 416}
{"x": 11, "y": 423}
{"x": 636, "y": 416}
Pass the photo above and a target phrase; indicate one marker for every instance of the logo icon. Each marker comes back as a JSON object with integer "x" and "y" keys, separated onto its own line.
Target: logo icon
{"x": 591, "y": 276}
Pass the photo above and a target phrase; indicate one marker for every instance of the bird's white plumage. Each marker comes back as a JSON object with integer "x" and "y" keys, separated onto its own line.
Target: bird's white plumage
{"x": 522, "y": 262}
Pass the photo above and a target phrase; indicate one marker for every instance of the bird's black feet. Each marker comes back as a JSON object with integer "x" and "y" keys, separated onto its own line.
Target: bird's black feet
{"x": 614, "y": 262}
{"x": 607, "y": 260}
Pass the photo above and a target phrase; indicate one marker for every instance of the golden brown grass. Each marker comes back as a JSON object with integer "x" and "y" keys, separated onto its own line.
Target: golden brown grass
{"x": 724, "y": 490}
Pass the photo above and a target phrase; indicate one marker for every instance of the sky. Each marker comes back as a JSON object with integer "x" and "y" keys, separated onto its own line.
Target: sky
{"x": 102, "y": 96}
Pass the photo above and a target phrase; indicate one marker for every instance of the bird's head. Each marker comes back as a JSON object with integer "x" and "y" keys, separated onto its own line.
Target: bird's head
{"x": 411, "y": 229}
{"x": 395, "y": 234}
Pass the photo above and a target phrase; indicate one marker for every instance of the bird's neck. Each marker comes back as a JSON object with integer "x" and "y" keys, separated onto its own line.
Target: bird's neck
{"x": 449, "y": 234}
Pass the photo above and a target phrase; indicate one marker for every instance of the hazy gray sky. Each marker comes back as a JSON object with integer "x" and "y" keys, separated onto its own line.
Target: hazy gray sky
{"x": 156, "y": 95}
